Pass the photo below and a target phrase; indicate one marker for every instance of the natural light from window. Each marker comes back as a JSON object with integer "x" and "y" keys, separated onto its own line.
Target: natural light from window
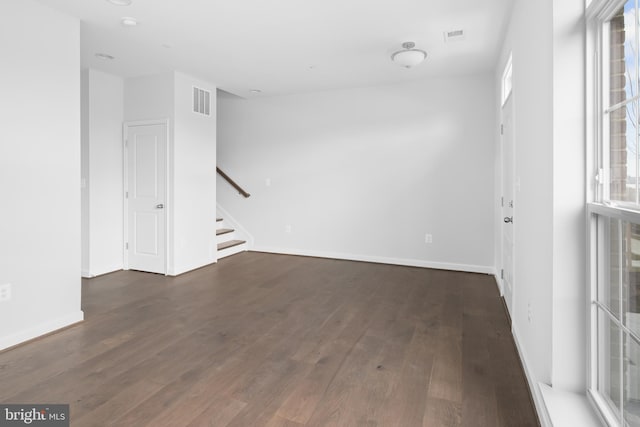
{"x": 615, "y": 217}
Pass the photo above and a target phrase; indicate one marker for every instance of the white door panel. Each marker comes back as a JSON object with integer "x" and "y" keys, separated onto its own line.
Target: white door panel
{"x": 146, "y": 187}
{"x": 146, "y": 229}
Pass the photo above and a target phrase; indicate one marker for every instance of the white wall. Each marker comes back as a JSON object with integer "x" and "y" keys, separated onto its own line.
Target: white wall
{"x": 191, "y": 206}
{"x": 194, "y": 185}
{"x": 365, "y": 173}
{"x": 530, "y": 39}
{"x": 102, "y": 173}
{"x": 549, "y": 319}
{"x": 39, "y": 170}
{"x": 569, "y": 185}
{"x": 149, "y": 97}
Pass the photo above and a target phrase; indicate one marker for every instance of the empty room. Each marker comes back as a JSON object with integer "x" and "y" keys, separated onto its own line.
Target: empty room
{"x": 320, "y": 213}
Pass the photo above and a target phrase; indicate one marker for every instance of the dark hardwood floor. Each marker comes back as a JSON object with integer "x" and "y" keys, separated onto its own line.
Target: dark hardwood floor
{"x": 274, "y": 340}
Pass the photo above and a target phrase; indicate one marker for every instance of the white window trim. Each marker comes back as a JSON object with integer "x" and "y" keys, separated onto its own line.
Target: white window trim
{"x": 597, "y": 167}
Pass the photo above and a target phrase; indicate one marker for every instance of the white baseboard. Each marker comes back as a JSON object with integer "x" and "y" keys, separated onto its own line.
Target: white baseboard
{"x": 376, "y": 259}
{"x": 534, "y": 387}
{"x": 499, "y": 284}
{"x": 89, "y": 275}
{"x": 41, "y": 329}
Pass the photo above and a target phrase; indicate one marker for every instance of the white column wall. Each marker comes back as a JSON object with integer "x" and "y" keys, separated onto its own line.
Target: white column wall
{"x": 40, "y": 248}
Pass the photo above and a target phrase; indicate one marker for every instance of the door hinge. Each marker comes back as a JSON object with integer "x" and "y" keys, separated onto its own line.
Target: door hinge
{"x": 502, "y": 274}
{"x": 501, "y": 129}
{"x": 126, "y": 245}
{"x": 502, "y": 201}
{"x": 126, "y": 194}
{"x": 126, "y": 143}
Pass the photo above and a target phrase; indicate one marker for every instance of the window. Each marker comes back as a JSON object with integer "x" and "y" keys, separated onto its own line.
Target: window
{"x": 616, "y": 319}
{"x": 614, "y": 211}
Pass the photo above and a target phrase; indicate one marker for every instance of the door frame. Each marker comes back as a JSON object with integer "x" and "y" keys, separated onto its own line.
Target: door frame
{"x": 125, "y": 187}
{"x": 508, "y": 103}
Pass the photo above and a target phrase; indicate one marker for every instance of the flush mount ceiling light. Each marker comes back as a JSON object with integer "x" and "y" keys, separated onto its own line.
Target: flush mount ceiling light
{"x": 409, "y": 57}
{"x": 128, "y": 21}
{"x": 104, "y": 56}
{"x": 121, "y": 2}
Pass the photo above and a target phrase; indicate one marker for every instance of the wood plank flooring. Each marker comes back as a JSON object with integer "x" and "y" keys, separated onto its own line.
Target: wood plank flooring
{"x": 275, "y": 340}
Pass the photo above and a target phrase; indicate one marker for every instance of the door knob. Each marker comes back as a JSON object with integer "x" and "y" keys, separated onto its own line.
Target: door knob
{"x": 160, "y": 206}
{"x": 508, "y": 219}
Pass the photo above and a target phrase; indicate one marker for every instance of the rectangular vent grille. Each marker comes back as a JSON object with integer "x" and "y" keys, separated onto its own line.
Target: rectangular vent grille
{"x": 201, "y": 101}
{"x": 453, "y": 35}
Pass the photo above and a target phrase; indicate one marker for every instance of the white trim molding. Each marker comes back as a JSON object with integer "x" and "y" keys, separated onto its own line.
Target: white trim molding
{"x": 534, "y": 386}
{"x": 566, "y": 408}
{"x": 41, "y": 329}
{"x": 468, "y": 268}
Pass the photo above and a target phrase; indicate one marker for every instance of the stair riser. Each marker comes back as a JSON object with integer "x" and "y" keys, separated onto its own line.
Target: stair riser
{"x": 225, "y": 237}
{"x": 232, "y": 250}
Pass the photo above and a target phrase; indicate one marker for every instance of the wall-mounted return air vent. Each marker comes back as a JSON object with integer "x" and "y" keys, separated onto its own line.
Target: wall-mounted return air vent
{"x": 201, "y": 101}
{"x": 453, "y": 35}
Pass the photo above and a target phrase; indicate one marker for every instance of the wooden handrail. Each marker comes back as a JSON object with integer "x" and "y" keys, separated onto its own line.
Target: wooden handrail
{"x": 232, "y": 182}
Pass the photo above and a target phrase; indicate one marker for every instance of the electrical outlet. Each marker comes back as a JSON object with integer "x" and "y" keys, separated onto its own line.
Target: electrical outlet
{"x": 5, "y": 292}
{"x": 287, "y": 228}
{"x": 428, "y": 238}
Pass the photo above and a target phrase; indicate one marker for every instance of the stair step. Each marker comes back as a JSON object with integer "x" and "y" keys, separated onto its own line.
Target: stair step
{"x": 224, "y": 231}
{"x": 230, "y": 244}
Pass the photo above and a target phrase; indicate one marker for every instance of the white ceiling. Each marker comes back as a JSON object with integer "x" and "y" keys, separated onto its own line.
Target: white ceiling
{"x": 289, "y": 46}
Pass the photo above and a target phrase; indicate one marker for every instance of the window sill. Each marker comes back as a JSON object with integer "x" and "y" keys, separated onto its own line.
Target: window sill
{"x": 568, "y": 409}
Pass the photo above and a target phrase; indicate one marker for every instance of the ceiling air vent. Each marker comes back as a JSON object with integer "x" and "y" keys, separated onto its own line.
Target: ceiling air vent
{"x": 201, "y": 101}
{"x": 453, "y": 35}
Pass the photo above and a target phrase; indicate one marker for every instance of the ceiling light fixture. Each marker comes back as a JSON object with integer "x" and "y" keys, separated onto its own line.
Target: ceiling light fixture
{"x": 409, "y": 57}
{"x": 128, "y": 21}
{"x": 104, "y": 56}
{"x": 255, "y": 91}
{"x": 121, "y": 2}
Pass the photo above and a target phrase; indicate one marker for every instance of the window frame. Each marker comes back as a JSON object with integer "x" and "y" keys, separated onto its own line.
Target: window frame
{"x": 599, "y": 209}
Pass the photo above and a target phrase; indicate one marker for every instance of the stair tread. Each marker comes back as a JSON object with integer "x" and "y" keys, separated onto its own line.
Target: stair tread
{"x": 230, "y": 244}
{"x": 224, "y": 231}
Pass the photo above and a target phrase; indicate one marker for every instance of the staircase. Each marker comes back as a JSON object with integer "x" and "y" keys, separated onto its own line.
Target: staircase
{"x": 227, "y": 242}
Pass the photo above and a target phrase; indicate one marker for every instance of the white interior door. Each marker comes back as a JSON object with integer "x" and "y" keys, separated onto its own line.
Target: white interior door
{"x": 507, "y": 204}
{"x": 145, "y": 194}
